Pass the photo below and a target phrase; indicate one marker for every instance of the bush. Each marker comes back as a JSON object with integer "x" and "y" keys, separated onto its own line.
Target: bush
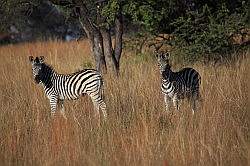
{"x": 205, "y": 34}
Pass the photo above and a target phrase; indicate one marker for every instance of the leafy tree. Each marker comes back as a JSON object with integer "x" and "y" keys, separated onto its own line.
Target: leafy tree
{"x": 201, "y": 29}
{"x": 97, "y": 24}
{"x": 205, "y": 33}
{"x": 154, "y": 15}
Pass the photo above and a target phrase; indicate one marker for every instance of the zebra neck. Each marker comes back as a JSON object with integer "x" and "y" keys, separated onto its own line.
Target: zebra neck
{"x": 167, "y": 75}
{"x": 162, "y": 71}
{"x": 47, "y": 76}
{"x": 165, "y": 81}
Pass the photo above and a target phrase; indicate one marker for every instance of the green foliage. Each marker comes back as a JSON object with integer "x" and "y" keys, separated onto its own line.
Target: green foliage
{"x": 204, "y": 33}
{"x": 110, "y": 10}
{"x": 151, "y": 14}
{"x": 143, "y": 14}
{"x": 201, "y": 29}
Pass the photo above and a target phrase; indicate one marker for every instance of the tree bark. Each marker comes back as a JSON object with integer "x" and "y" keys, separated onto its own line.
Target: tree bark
{"x": 118, "y": 39}
{"x": 109, "y": 51}
{"x": 95, "y": 38}
{"x": 113, "y": 55}
{"x": 98, "y": 50}
{"x": 99, "y": 37}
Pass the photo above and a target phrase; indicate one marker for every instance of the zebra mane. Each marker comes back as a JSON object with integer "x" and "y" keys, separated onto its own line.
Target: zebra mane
{"x": 45, "y": 75}
{"x": 48, "y": 67}
{"x": 81, "y": 70}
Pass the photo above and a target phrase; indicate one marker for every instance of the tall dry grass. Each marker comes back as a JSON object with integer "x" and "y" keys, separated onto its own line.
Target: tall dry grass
{"x": 137, "y": 131}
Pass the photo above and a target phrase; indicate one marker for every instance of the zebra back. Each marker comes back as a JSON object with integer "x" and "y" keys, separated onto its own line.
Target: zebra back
{"x": 191, "y": 78}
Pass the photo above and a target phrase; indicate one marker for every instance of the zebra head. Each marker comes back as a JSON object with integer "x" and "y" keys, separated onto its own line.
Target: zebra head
{"x": 163, "y": 61}
{"x": 37, "y": 65}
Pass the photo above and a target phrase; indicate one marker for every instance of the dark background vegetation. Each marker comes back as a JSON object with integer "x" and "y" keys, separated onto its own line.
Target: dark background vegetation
{"x": 208, "y": 30}
{"x": 193, "y": 29}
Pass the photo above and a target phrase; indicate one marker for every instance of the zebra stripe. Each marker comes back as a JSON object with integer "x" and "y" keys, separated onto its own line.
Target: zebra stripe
{"x": 59, "y": 87}
{"x": 178, "y": 85}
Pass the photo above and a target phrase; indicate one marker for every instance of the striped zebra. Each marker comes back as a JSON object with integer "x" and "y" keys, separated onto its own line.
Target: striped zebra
{"x": 178, "y": 85}
{"x": 59, "y": 87}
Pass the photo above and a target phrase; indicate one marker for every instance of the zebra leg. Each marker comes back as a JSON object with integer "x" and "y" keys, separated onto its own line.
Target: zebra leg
{"x": 101, "y": 105}
{"x": 167, "y": 102}
{"x": 176, "y": 102}
{"x": 53, "y": 104}
{"x": 103, "y": 108}
{"x": 97, "y": 99}
{"x": 96, "y": 106}
{"x": 194, "y": 99}
{"x": 193, "y": 102}
{"x": 62, "y": 110}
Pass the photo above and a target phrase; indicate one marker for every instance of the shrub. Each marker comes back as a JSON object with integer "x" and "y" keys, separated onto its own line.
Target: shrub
{"x": 206, "y": 34}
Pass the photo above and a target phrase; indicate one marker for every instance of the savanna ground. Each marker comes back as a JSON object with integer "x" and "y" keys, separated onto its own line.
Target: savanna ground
{"x": 137, "y": 131}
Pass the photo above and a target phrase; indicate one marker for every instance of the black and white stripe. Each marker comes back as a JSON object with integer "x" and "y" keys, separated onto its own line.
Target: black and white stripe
{"x": 59, "y": 87}
{"x": 178, "y": 85}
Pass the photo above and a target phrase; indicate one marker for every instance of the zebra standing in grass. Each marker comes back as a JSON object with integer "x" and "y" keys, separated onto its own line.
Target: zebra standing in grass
{"x": 59, "y": 87}
{"x": 178, "y": 85}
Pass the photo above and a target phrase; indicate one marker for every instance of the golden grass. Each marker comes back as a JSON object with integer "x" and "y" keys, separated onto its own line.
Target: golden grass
{"x": 137, "y": 132}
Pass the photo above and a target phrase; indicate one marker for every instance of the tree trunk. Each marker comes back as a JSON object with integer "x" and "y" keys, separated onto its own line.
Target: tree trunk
{"x": 98, "y": 50}
{"x": 95, "y": 38}
{"x": 113, "y": 55}
{"x": 118, "y": 39}
{"x": 100, "y": 38}
{"x": 96, "y": 42}
{"x": 108, "y": 51}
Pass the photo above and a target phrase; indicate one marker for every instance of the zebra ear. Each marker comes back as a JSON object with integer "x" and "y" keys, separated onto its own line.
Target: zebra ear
{"x": 41, "y": 59}
{"x": 31, "y": 58}
{"x": 156, "y": 54}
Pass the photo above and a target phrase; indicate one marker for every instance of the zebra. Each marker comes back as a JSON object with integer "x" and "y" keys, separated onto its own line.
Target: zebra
{"x": 59, "y": 87}
{"x": 178, "y": 85}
